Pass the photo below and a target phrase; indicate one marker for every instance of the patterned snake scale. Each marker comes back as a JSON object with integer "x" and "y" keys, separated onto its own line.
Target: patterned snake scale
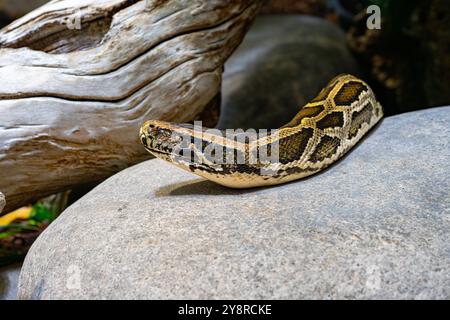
{"x": 321, "y": 133}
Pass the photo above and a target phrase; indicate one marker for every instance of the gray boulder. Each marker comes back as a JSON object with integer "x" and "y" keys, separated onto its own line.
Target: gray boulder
{"x": 283, "y": 62}
{"x": 375, "y": 225}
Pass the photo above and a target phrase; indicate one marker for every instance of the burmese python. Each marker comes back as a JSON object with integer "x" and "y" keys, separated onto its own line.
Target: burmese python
{"x": 321, "y": 133}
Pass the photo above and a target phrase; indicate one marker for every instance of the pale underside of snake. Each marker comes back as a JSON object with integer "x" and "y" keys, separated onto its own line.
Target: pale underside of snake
{"x": 320, "y": 134}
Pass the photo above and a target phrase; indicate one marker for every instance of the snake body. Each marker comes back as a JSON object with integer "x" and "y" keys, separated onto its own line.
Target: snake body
{"x": 322, "y": 132}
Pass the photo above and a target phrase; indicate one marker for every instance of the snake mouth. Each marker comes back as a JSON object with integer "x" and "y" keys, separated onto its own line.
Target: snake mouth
{"x": 166, "y": 155}
{"x": 159, "y": 152}
{"x": 174, "y": 157}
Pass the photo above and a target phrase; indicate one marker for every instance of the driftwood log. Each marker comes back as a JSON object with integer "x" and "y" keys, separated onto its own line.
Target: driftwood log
{"x": 2, "y": 202}
{"x": 79, "y": 77}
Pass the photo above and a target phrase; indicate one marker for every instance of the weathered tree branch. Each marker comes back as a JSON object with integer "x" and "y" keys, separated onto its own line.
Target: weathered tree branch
{"x": 2, "y": 202}
{"x": 78, "y": 78}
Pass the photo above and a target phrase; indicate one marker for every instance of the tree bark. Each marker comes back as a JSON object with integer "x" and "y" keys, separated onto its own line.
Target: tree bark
{"x": 79, "y": 77}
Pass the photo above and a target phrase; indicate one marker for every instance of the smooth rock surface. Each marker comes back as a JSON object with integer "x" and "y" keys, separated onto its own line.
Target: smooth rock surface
{"x": 283, "y": 62}
{"x": 375, "y": 225}
{"x": 9, "y": 280}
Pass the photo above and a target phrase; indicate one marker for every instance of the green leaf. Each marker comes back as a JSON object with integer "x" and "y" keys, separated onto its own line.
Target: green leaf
{"x": 40, "y": 213}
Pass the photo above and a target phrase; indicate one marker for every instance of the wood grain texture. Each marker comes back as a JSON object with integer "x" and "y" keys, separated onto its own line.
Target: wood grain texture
{"x": 2, "y": 202}
{"x": 72, "y": 99}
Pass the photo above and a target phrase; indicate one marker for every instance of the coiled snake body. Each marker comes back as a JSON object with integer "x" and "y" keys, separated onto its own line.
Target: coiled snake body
{"x": 321, "y": 133}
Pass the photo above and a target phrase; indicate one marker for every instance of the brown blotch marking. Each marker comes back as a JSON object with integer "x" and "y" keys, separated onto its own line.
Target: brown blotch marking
{"x": 291, "y": 148}
{"x": 325, "y": 92}
{"x": 294, "y": 170}
{"x": 377, "y": 110}
{"x": 359, "y": 118}
{"x": 305, "y": 112}
{"x": 349, "y": 93}
{"x": 325, "y": 149}
{"x": 332, "y": 120}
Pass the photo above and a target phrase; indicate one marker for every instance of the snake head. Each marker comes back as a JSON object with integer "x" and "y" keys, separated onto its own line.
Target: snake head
{"x": 158, "y": 137}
